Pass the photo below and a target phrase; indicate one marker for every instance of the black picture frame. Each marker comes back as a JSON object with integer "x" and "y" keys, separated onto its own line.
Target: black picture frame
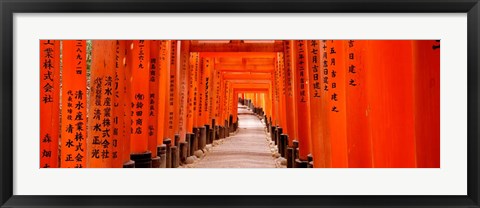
{"x": 9, "y": 7}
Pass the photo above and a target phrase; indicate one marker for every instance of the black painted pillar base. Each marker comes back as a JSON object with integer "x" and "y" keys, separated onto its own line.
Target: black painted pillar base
{"x": 162, "y": 153}
{"x": 175, "y": 159}
{"x": 188, "y": 141}
{"x": 168, "y": 144}
{"x": 282, "y": 147}
{"x": 273, "y": 133}
{"x": 289, "y": 157}
{"x": 142, "y": 160}
{"x": 310, "y": 161}
{"x": 295, "y": 152}
{"x": 285, "y": 144}
{"x": 156, "y": 162}
{"x": 231, "y": 126}
{"x": 277, "y": 137}
{"x": 301, "y": 163}
{"x": 129, "y": 164}
{"x": 214, "y": 131}
{"x": 207, "y": 134}
{"x": 184, "y": 151}
{"x": 202, "y": 142}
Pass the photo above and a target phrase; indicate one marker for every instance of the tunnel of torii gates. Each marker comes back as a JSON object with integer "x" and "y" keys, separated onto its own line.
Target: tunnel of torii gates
{"x": 326, "y": 103}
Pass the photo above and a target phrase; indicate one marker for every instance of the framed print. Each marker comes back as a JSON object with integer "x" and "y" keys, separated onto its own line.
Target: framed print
{"x": 246, "y": 104}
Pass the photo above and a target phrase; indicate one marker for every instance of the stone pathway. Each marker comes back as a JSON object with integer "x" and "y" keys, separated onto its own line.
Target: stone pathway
{"x": 248, "y": 148}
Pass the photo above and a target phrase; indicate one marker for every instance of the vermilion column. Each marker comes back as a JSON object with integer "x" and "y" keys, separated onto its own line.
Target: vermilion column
{"x": 359, "y": 143}
{"x": 121, "y": 116}
{"x": 74, "y": 84}
{"x": 192, "y": 90}
{"x": 195, "y": 66}
{"x": 282, "y": 92}
{"x": 213, "y": 98}
{"x": 337, "y": 104}
{"x": 216, "y": 100}
{"x": 49, "y": 102}
{"x": 207, "y": 85}
{"x": 153, "y": 99}
{"x": 139, "y": 87}
{"x": 289, "y": 90}
{"x": 390, "y": 98}
{"x": 201, "y": 93}
{"x": 128, "y": 103}
{"x": 426, "y": 59}
{"x": 233, "y": 104}
{"x": 101, "y": 121}
{"x": 315, "y": 87}
{"x": 163, "y": 90}
{"x": 302, "y": 99}
{"x": 325, "y": 103}
{"x": 183, "y": 88}
{"x": 172, "y": 113}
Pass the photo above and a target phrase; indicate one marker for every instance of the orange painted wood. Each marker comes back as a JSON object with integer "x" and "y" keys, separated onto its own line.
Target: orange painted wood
{"x": 173, "y": 92}
{"x": 191, "y": 91}
{"x": 128, "y": 98}
{"x": 139, "y": 85}
{"x": 74, "y": 84}
{"x": 222, "y": 96}
{"x": 163, "y": 101}
{"x": 100, "y": 133}
{"x": 390, "y": 98}
{"x": 289, "y": 90}
{"x": 153, "y": 97}
{"x": 324, "y": 105}
{"x": 196, "y": 67}
{"x": 201, "y": 93}
{"x": 337, "y": 104}
{"x": 276, "y": 95}
{"x": 121, "y": 116}
{"x": 359, "y": 143}
{"x": 302, "y": 98}
{"x": 233, "y": 105}
{"x": 184, "y": 67}
{"x": 49, "y": 102}
{"x": 282, "y": 92}
{"x": 207, "y": 86}
{"x": 210, "y": 84}
{"x": 426, "y": 59}
{"x": 213, "y": 98}
{"x": 316, "y": 114}
{"x": 216, "y": 98}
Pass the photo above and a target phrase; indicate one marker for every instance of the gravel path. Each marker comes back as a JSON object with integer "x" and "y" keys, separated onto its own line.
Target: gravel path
{"x": 247, "y": 149}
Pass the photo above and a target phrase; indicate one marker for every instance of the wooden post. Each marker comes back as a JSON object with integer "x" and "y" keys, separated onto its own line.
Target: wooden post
{"x": 337, "y": 104}
{"x": 359, "y": 143}
{"x": 290, "y": 105}
{"x": 426, "y": 59}
{"x": 121, "y": 116}
{"x": 49, "y": 102}
{"x": 101, "y": 119}
{"x": 153, "y": 99}
{"x": 207, "y": 81}
{"x": 315, "y": 87}
{"x": 184, "y": 67}
{"x": 163, "y": 91}
{"x": 302, "y": 99}
{"x": 192, "y": 91}
{"x": 390, "y": 96}
{"x": 74, "y": 84}
{"x": 172, "y": 117}
{"x": 139, "y": 85}
{"x": 282, "y": 92}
